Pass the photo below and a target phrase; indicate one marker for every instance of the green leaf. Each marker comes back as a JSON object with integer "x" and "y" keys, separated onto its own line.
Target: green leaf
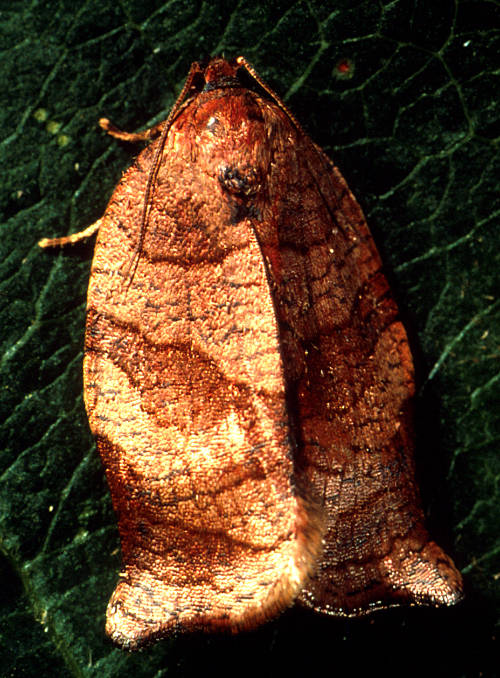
{"x": 414, "y": 126}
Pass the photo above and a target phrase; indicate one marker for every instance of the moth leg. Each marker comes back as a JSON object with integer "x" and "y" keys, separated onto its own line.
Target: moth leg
{"x": 131, "y": 137}
{"x": 71, "y": 239}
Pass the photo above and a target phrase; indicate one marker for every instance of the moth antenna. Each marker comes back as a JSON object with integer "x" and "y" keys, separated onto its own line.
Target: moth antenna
{"x": 148, "y": 193}
{"x": 242, "y": 62}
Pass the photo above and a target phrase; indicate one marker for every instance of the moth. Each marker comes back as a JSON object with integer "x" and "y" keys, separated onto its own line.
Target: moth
{"x": 248, "y": 379}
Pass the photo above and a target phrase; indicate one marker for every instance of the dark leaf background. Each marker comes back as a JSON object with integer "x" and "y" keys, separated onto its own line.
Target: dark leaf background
{"x": 404, "y": 95}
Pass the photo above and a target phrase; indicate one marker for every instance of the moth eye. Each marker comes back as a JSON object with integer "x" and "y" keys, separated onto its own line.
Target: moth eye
{"x": 213, "y": 124}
